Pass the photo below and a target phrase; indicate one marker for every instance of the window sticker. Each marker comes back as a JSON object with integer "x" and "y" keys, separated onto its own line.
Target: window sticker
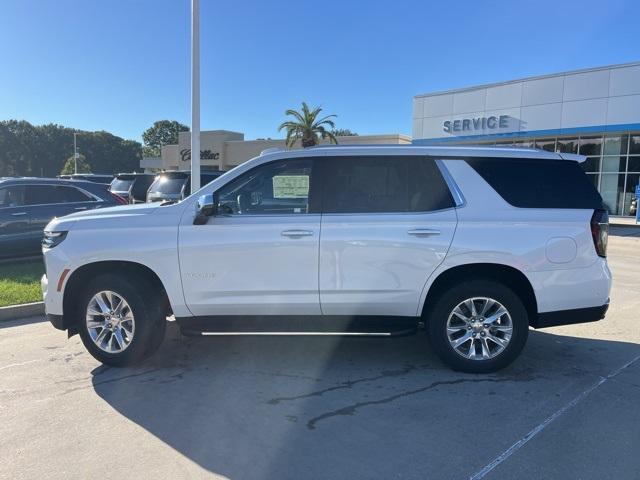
{"x": 291, "y": 186}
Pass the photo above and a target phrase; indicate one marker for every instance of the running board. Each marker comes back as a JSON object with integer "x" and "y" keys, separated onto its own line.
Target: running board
{"x": 278, "y": 325}
{"x": 398, "y": 333}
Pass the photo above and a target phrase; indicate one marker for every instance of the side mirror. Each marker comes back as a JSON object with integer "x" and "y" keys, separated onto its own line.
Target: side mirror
{"x": 207, "y": 206}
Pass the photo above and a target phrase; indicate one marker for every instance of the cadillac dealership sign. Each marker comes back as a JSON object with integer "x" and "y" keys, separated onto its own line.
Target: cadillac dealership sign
{"x": 477, "y": 123}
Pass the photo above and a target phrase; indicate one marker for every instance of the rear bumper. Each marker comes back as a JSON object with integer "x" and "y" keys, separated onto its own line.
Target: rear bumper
{"x": 570, "y": 317}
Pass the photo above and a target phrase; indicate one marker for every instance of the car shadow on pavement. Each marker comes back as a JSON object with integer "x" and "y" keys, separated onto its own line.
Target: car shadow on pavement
{"x": 311, "y": 407}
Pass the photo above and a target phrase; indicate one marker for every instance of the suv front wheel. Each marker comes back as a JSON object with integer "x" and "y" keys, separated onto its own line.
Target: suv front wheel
{"x": 478, "y": 326}
{"x": 120, "y": 322}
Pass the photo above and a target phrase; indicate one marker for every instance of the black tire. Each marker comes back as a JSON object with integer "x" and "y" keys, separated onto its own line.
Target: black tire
{"x": 148, "y": 313}
{"x": 438, "y": 316}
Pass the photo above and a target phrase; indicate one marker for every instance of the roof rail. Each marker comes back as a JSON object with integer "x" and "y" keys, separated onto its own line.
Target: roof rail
{"x": 271, "y": 150}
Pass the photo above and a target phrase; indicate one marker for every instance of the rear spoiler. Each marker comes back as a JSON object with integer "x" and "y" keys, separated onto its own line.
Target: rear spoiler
{"x": 573, "y": 156}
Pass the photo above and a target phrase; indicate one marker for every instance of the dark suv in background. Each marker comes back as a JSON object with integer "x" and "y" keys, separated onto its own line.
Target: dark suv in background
{"x": 28, "y": 204}
{"x": 104, "y": 179}
{"x": 176, "y": 185}
{"x": 132, "y": 186}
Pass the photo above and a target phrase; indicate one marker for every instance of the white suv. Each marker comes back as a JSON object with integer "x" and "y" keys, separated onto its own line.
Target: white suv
{"x": 478, "y": 244}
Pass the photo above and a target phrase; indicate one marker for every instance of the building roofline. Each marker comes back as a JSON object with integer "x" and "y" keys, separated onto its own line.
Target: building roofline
{"x": 526, "y": 79}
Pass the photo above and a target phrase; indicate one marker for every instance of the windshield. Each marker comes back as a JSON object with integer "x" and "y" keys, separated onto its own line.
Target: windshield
{"x": 167, "y": 185}
{"x": 121, "y": 185}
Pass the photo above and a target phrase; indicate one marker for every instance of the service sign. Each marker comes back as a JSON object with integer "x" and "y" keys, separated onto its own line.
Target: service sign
{"x": 471, "y": 125}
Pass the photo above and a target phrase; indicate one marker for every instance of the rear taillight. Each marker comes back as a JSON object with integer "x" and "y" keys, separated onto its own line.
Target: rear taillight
{"x": 600, "y": 231}
{"x": 119, "y": 199}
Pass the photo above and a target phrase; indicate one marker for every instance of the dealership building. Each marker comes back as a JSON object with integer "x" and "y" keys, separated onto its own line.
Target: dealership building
{"x": 224, "y": 149}
{"x": 593, "y": 112}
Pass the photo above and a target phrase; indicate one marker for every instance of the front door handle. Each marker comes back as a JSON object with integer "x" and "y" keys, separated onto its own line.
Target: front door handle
{"x": 80, "y": 208}
{"x": 297, "y": 233}
{"x": 423, "y": 232}
{"x": 18, "y": 214}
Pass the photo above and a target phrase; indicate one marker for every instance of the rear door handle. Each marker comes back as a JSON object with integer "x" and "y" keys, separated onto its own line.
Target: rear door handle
{"x": 18, "y": 214}
{"x": 80, "y": 208}
{"x": 297, "y": 233}
{"x": 423, "y": 232}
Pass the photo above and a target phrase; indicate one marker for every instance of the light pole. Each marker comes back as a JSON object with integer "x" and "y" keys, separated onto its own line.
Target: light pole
{"x": 195, "y": 95}
{"x": 75, "y": 154}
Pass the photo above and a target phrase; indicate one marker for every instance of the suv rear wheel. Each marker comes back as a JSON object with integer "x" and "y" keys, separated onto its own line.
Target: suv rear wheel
{"x": 120, "y": 320}
{"x": 478, "y": 326}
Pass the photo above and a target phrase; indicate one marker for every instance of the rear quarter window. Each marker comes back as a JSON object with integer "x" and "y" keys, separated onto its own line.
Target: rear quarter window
{"x": 538, "y": 183}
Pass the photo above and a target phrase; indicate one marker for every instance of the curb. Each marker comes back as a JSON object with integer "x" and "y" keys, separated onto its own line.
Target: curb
{"x": 13, "y": 312}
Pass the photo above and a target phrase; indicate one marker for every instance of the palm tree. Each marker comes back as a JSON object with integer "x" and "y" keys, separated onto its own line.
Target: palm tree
{"x": 307, "y": 127}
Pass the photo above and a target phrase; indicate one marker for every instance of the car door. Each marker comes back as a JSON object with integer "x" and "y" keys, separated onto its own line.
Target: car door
{"x": 48, "y": 201}
{"x": 259, "y": 254}
{"x": 15, "y": 238}
{"x": 387, "y": 223}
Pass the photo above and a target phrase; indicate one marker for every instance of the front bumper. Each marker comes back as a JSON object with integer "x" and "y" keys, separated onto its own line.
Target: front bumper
{"x": 570, "y": 317}
{"x": 58, "y": 321}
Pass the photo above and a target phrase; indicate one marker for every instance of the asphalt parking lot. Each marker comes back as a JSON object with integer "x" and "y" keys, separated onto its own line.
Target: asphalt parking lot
{"x": 292, "y": 407}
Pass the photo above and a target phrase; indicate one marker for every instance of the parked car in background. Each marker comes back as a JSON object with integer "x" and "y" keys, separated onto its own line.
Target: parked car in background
{"x": 176, "y": 185}
{"x": 104, "y": 179}
{"x": 634, "y": 206}
{"x": 132, "y": 186}
{"x": 478, "y": 244}
{"x": 28, "y": 204}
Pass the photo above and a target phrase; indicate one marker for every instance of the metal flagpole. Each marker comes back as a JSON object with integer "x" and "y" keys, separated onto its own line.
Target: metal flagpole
{"x": 195, "y": 95}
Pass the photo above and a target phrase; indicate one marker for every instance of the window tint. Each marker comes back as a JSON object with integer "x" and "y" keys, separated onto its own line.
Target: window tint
{"x": 383, "y": 184}
{"x": 140, "y": 186}
{"x": 121, "y": 185}
{"x": 167, "y": 185}
{"x": 277, "y": 188}
{"x": 538, "y": 183}
{"x": 48, "y": 194}
{"x": 12, "y": 196}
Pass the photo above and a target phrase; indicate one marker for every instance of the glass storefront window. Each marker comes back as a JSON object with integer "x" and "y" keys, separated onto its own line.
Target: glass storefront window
{"x": 633, "y": 179}
{"x": 634, "y": 145}
{"x": 591, "y": 164}
{"x": 614, "y": 164}
{"x": 567, "y": 145}
{"x": 612, "y": 191}
{"x": 548, "y": 144}
{"x": 616, "y": 145}
{"x": 590, "y": 145}
{"x": 634, "y": 164}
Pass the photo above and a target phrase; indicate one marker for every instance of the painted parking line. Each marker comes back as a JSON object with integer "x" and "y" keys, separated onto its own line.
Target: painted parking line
{"x": 539, "y": 428}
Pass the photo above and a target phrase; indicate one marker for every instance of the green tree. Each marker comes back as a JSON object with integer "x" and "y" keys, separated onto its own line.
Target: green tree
{"x": 69, "y": 166}
{"x": 163, "y": 132}
{"x": 307, "y": 127}
{"x": 343, "y": 132}
{"x": 42, "y": 150}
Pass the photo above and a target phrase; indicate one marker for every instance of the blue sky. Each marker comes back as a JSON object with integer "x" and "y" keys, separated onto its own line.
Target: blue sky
{"x": 119, "y": 65}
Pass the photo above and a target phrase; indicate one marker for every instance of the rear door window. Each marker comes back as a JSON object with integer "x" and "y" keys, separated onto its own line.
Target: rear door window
{"x": 12, "y": 196}
{"x": 50, "y": 194}
{"x": 538, "y": 183}
{"x": 381, "y": 184}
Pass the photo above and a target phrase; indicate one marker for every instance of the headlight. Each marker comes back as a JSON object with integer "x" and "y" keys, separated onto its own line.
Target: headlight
{"x": 51, "y": 239}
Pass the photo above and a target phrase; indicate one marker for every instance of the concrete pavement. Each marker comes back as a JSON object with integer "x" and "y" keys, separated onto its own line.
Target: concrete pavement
{"x": 279, "y": 407}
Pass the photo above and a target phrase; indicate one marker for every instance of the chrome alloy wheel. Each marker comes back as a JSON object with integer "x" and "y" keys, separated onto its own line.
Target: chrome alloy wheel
{"x": 110, "y": 322}
{"x": 479, "y": 328}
